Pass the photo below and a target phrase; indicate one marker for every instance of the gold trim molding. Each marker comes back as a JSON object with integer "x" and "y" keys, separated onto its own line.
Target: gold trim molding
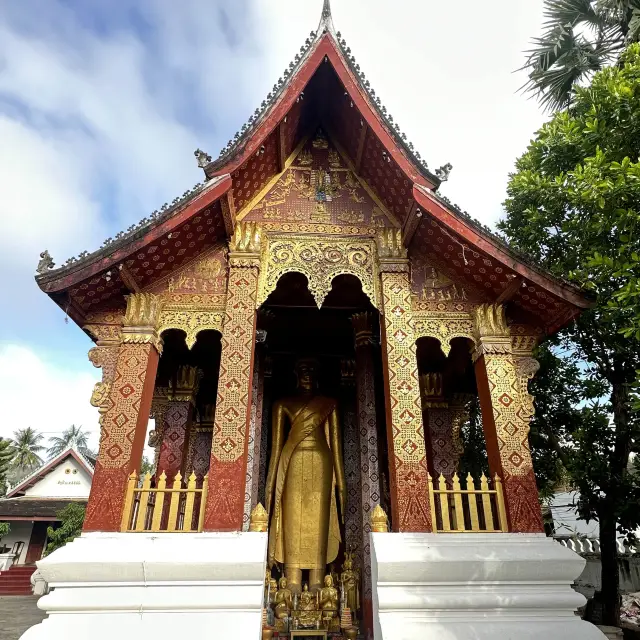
{"x": 191, "y": 322}
{"x": 444, "y": 327}
{"x": 320, "y": 259}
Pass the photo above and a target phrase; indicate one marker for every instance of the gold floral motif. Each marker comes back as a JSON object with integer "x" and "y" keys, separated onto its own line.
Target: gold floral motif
{"x": 321, "y": 260}
{"x": 100, "y": 394}
{"x": 444, "y": 327}
{"x": 192, "y": 302}
{"x": 390, "y": 244}
{"x": 104, "y": 332}
{"x": 191, "y": 322}
{"x": 491, "y": 330}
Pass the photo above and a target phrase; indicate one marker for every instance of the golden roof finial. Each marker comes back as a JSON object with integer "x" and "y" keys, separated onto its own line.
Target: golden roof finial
{"x": 259, "y": 519}
{"x": 379, "y": 520}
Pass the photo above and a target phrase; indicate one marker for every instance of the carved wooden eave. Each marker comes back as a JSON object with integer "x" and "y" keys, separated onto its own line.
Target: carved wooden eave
{"x": 464, "y": 232}
{"x": 112, "y": 257}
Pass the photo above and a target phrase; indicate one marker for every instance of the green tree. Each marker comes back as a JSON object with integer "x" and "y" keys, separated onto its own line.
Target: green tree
{"x": 474, "y": 453}
{"x": 573, "y": 205}
{"x": 146, "y": 466}
{"x": 580, "y": 37}
{"x": 5, "y": 527}
{"x": 71, "y": 437}
{"x": 72, "y": 518}
{"x": 6, "y": 455}
{"x": 27, "y": 447}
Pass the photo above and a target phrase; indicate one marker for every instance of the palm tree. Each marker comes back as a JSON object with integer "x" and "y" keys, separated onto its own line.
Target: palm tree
{"x": 71, "y": 437}
{"x": 26, "y": 446}
{"x": 580, "y": 37}
{"x": 6, "y": 455}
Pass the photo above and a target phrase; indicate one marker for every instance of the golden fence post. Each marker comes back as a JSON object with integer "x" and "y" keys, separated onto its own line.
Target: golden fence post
{"x": 159, "y": 506}
{"x": 457, "y": 501}
{"x": 203, "y": 502}
{"x": 432, "y": 504}
{"x": 128, "y": 502}
{"x": 191, "y": 496}
{"x": 175, "y": 500}
{"x": 486, "y": 503}
{"x": 502, "y": 513}
{"x": 473, "y": 504}
{"x": 142, "y": 505}
{"x": 444, "y": 503}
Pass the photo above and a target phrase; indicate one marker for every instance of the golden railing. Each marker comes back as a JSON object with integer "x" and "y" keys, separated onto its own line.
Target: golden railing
{"x": 470, "y": 510}
{"x": 174, "y": 509}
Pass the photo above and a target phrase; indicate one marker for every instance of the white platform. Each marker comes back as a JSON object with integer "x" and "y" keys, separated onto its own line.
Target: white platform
{"x": 476, "y": 587}
{"x": 129, "y": 586}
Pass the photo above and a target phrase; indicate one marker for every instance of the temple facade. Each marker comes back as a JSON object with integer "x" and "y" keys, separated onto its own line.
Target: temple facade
{"x": 309, "y": 329}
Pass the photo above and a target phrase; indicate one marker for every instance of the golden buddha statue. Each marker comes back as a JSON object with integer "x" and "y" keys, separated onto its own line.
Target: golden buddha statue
{"x": 303, "y": 474}
{"x": 329, "y": 603}
{"x": 349, "y": 580}
{"x": 282, "y": 606}
{"x": 308, "y": 600}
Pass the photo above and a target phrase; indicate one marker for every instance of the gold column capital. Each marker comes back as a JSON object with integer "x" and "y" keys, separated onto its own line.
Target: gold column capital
{"x": 245, "y": 245}
{"x": 185, "y": 386}
{"x": 432, "y": 391}
{"x": 392, "y": 254}
{"x": 141, "y": 320}
{"x": 491, "y": 331}
{"x": 347, "y": 372}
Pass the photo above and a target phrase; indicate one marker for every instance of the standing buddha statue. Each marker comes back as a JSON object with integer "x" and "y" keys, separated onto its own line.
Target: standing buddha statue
{"x": 300, "y": 489}
{"x": 349, "y": 580}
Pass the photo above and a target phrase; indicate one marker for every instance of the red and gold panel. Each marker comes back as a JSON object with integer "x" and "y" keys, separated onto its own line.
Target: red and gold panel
{"x": 199, "y": 451}
{"x": 408, "y": 473}
{"x": 227, "y": 476}
{"x": 177, "y": 421}
{"x": 320, "y": 189}
{"x": 123, "y": 434}
{"x": 255, "y": 173}
{"x": 505, "y": 419}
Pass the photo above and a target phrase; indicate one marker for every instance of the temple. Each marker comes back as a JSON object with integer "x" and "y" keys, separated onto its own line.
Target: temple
{"x": 309, "y": 329}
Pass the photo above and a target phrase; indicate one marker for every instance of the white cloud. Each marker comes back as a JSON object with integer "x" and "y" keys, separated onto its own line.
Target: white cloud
{"x": 40, "y": 394}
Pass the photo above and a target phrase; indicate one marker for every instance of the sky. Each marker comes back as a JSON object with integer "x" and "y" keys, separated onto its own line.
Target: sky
{"x": 102, "y": 104}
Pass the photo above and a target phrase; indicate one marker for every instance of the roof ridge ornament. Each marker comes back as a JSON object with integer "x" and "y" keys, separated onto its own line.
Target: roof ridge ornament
{"x": 326, "y": 19}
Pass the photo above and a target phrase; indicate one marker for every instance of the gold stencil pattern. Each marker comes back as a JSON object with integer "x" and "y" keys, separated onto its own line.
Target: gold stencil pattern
{"x": 191, "y": 322}
{"x": 320, "y": 259}
{"x": 409, "y": 455}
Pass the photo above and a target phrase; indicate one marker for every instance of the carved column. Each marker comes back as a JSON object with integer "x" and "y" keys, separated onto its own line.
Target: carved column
{"x": 128, "y": 406}
{"x": 227, "y": 475}
{"x": 158, "y": 410}
{"x": 368, "y": 431}
{"x": 178, "y": 417}
{"x": 407, "y": 460}
{"x": 351, "y": 454}
{"x": 443, "y": 420}
{"x": 200, "y": 443}
{"x": 505, "y": 417}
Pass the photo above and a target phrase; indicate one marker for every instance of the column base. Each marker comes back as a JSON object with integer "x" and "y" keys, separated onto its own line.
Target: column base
{"x": 140, "y": 585}
{"x": 475, "y": 586}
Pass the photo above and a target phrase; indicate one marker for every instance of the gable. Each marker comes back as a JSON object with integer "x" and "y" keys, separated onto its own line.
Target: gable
{"x": 319, "y": 191}
{"x": 68, "y": 479}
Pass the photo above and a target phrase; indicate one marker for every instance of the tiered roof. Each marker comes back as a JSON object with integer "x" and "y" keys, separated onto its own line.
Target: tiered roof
{"x": 323, "y": 86}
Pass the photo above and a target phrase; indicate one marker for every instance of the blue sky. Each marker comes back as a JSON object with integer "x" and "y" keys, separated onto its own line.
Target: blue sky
{"x": 102, "y": 104}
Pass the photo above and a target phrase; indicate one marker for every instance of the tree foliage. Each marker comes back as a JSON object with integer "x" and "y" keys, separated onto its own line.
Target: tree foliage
{"x": 6, "y": 455}
{"x": 5, "y": 528}
{"x": 580, "y": 37}
{"x": 71, "y": 437}
{"x": 573, "y": 205}
{"x": 72, "y": 518}
{"x": 27, "y": 447}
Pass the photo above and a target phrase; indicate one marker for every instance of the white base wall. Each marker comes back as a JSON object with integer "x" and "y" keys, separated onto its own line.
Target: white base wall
{"x": 476, "y": 587}
{"x": 127, "y": 586}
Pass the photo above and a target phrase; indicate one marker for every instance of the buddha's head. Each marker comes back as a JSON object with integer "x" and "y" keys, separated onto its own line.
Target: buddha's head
{"x": 306, "y": 370}
{"x": 306, "y": 587}
{"x": 328, "y": 581}
{"x": 283, "y": 583}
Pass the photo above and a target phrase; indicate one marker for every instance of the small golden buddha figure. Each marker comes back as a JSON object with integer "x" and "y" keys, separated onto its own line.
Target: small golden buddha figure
{"x": 303, "y": 473}
{"x": 282, "y": 606}
{"x": 329, "y": 603}
{"x": 270, "y": 587}
{"x": 349, "y": 580}
{"x": 308, "y": 616}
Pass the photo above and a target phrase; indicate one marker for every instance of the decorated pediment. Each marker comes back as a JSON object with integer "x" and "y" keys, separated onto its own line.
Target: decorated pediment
{"x": 319, "y": 191}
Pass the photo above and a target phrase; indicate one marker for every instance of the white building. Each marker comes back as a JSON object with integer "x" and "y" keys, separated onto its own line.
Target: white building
{"x": 33, "y": 504}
